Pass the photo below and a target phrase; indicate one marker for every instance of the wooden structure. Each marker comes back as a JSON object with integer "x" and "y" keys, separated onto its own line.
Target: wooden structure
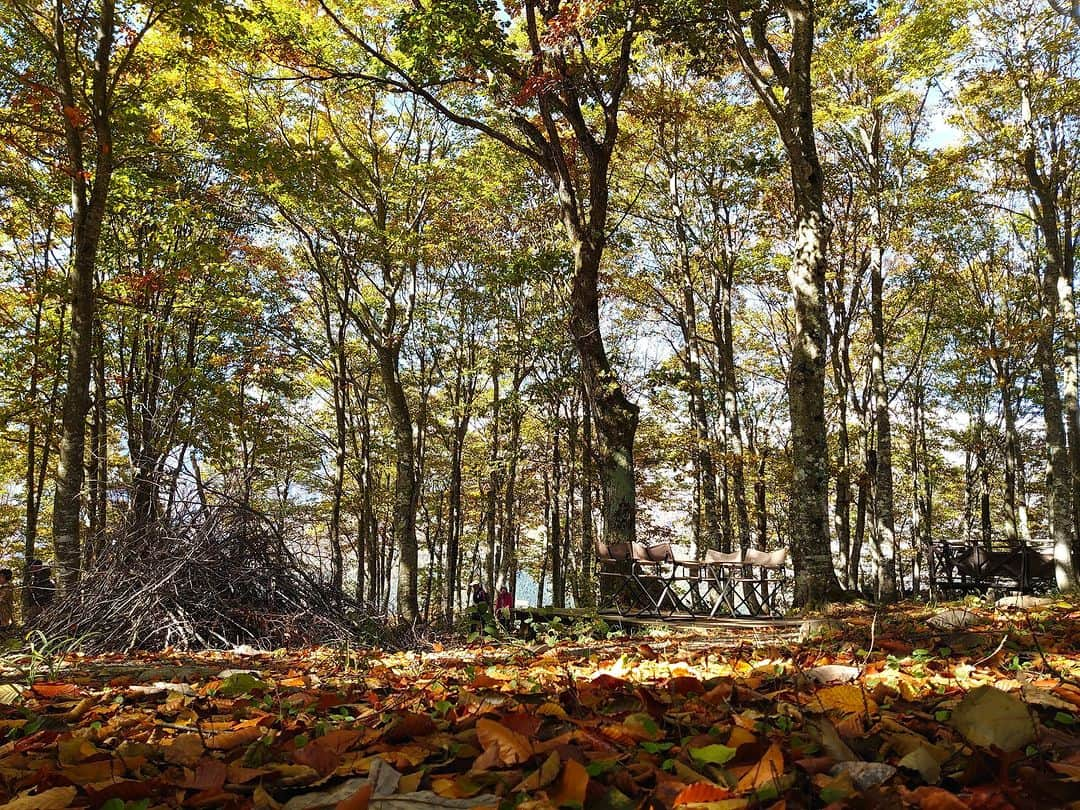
{"x": 961, "y": 568}
{"x": 652, "y": 581}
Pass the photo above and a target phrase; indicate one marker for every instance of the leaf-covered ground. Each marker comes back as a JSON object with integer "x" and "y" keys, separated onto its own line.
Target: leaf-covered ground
{"x": 975, "y": 708}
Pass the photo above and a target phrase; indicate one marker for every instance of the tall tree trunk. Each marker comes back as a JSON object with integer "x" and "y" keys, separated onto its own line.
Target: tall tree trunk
{"x": 815, "y": 580}
{"x": 588, "y": 591}
{"x": 1056, "y": 301}
{"x": 508, "y": 533}
{"x": 922, "y": 486}
{"x": 615, "y": 416}
{"x": 732, "y": 438}
{"x": 405, "y": 490}
{"x": 88, "y": 213}
{"x": 558, "y": 589}
{"x": 883, "y": 533}
{"x": 37, "y": 466}
{"x": 494, "y": 477}
{"x": 339, "y": 372}
{"x": 793, "y": 113}
{"x": 1017, "y": 532}
{"x": 1058, "y": 462}
{"x": 760, "y": 504}
{"x": 862, "y": 497}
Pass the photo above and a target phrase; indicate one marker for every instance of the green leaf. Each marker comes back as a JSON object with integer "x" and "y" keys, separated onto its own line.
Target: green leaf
{"x": 241, "y": 683}
{"x": 715, "y": 754}
{"x": 600, "y": 766}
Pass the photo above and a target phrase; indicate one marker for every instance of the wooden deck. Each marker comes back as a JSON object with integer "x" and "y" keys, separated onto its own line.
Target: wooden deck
{"x": 762, "y": 627}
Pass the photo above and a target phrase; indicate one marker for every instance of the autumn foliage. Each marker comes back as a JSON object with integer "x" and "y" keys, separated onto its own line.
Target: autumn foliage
{"x": 878, "y": 711}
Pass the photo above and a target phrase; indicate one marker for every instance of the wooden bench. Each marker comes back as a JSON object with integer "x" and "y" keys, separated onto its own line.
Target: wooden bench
{"x": 963, "y": 568}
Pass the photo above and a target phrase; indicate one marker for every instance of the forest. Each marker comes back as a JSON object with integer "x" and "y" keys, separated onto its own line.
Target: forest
{"x": 324, "y": 322}
{"x": 448, "y": 291}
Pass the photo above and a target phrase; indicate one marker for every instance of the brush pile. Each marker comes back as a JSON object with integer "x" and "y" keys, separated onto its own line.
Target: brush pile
{"x": 217, "y": 577}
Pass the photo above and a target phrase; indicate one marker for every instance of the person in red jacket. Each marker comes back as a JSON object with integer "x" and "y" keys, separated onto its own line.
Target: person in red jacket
{"x": 504, "y": 600}
{"x": 504, "y": 604}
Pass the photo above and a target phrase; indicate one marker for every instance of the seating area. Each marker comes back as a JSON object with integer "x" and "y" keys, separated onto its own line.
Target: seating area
{"x": 637, "y": 580}
{"x": 963, "y": 568}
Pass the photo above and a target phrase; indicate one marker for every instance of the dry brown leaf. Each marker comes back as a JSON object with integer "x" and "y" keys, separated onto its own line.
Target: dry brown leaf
{"x": 510, "y": 747}
{"x": 186, "y": 749}
{"x": 52, "y": 799}
{"x": 770, "y": 766}
{"x": 543, "y": 776}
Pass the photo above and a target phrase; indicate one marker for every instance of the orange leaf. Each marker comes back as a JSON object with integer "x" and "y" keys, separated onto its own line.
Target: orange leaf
{"x": 55, "y": 690}
{"x": 227, "y": 740}
{"x": 934, "y": 798}
{"x": 768, "y": 768}
{"x": 510, "y": 747}
{"x": 700, "y": 792}
{"x": 572, "y": 785}
{"x": 358, "y": 801}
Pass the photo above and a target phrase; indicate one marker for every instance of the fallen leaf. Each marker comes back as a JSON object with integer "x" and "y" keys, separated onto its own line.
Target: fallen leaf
{"x": 954, "y": 619}
{"x": 544, "y": 776}
{"x": 510, "y": 747}
{"x": 845, "y": 698}
{"x": 52, "y": 799}
{"x": 713, "y": 754}
{"x": 185, "y": 749}
{"x": 328, "y": 799}
{"x": 56, "y": 690}
{"x": 572, "y": 785}
{"x": 865, "y": 775}
{"x": 933, "y": 798}
{"x": 227, "y": 740}
{"x": 832, "y": 673}
{"x": 989, "y": 717}
{"x": 921, "y": 760}
{"x": 74, "y": 750}
{"x": 700, "y": 793}
{"x": 769, "y": 767}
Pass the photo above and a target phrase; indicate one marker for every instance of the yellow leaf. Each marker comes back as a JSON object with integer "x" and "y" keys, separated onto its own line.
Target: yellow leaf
{"x": 74, "y": 750}
{"x": 264, "y": 801}
{"x": 740, "y": 736}
{"x": 552, "y": 710}
{"x": 100, "y": 770}
{"x": 846, "y": 698}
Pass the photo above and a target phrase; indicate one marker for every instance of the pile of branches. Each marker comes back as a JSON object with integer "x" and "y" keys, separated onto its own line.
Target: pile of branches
{"x": 216, "y": 577}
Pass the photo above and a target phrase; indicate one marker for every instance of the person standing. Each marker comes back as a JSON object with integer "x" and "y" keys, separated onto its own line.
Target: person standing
{"x": 504, "y": 608}
{"x": 479, "y": 606}
{"x": 42, "y": 589}
{"x": 7, "y": 600}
